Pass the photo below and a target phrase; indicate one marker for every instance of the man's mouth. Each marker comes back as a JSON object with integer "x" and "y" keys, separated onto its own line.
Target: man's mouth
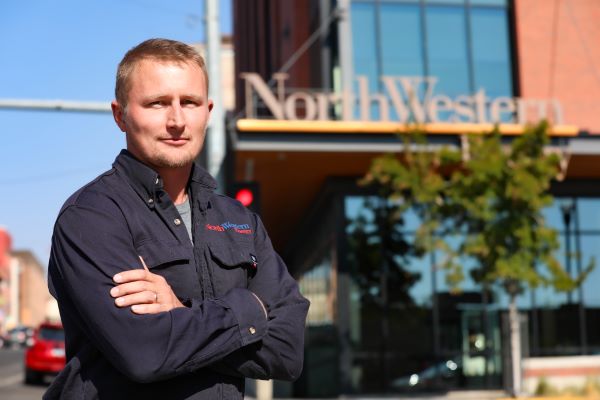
{"x": 175, "y": 141}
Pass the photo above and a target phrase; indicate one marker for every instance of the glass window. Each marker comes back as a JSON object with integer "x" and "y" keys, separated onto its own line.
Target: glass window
{"x": 464, "y": 45}
{"x": 401, "y": 54}
{"x": 590, "y": 249}
{"x": 491, "y": 52}
{"x": 589, "y": 214}
{"x": 365, "y": 43}
{"x": 52, "y": 334}
{"x": 364, "y": 53}
{"x": 447, "y": 49}
{"x": 390, "y": 298}
{"x": 315, "y": 285}
{"x": 459, "y": 2}
{"x": 502, "y": 3}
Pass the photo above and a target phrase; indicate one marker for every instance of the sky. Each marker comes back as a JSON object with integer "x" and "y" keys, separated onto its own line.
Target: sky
{"x": 69, "y": 50}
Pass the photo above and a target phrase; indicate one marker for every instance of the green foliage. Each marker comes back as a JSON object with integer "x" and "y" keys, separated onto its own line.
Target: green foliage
{"x": 490, "y": 197}
{"x": 543, "y": 388}
{"x": 589, "y": 390}
{"x": 380, "y": 241}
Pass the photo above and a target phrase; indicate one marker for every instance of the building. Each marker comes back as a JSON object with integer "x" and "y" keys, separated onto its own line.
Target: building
{"x": 24, "y": 296}
{"x": 324, "y": 86}
{"x": 33, "y": 299}
{"x": 5, "y": 263}
{"x": 227, "y": 70}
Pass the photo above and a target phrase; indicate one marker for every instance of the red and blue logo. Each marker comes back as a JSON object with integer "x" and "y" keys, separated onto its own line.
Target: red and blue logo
{"x": 244, "y": 229}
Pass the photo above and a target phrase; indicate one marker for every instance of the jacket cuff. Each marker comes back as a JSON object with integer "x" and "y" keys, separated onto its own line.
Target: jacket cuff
{"x": 249, "y": 313}
{"x": 246, "y": 308}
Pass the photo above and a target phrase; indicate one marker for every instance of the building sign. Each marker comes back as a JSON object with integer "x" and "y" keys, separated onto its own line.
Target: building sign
{"x": 405, "y": 99}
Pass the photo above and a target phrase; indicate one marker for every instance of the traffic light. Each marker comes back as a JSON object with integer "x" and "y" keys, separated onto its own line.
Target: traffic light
{"x": 247, "y": 193}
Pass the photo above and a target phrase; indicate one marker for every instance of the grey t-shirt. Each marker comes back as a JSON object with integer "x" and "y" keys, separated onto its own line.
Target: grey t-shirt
{"x": 186, "y": 215}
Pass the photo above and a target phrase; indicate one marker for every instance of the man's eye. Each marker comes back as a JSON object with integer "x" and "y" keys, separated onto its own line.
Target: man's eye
{"x": 189, "y": 103}
{"x": 155, "y": 104}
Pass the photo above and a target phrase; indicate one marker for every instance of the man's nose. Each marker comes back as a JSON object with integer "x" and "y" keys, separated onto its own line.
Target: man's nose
{"x": 176, "y": 118}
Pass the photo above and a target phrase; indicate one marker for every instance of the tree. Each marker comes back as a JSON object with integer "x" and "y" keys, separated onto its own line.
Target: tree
{"x": 490, "y": 197}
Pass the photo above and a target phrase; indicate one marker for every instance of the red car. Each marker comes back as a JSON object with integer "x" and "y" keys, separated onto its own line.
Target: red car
{"x": 47, "y": 354}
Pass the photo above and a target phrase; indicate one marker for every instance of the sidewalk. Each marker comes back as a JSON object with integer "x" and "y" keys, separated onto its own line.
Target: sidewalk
{"x": 454, "y": 395}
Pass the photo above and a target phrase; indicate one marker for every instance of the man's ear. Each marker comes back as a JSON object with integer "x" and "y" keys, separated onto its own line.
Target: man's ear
{"x": 210, "y": 105}
{"x": 118, "y": 115}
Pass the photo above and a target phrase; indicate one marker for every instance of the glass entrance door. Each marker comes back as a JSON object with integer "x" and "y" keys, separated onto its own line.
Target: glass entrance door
{"x": 481, "y": 362}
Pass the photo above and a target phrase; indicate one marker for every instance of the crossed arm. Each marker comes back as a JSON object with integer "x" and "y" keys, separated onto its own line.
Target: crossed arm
{"x": 148, "y": 293}
{"x": 229, "y": 333}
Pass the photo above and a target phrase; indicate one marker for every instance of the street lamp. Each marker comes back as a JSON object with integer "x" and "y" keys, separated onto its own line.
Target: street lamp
{"x": 569, "y": 212}
{"x": 567, "y": 207}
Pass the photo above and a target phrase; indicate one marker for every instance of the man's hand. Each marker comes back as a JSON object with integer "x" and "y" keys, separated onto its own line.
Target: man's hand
{"x": 145, "y": 292}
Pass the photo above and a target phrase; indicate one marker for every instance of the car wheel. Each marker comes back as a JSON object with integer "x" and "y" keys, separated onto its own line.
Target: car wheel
{"x": 32, "y": 377}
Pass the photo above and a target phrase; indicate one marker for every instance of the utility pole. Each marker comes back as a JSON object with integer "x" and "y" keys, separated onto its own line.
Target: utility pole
{"x": 216, "y": 131}
{"x": 345, "y": 49}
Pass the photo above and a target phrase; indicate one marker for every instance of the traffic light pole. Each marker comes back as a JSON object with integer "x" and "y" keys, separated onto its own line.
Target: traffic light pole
{"x": 216, "y": 135}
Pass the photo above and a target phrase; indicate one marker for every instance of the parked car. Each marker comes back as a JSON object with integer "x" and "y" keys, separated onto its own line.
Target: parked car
{"x": 47, "y": 354}
{"x": 18, "y": 337}
{"x": 436, "y": 376}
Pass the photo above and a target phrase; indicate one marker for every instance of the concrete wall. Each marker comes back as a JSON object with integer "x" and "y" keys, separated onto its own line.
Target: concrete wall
{"x": 560, "y": 372}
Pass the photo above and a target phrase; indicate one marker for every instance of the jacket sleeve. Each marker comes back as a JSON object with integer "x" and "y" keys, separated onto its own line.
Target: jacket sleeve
{"x": 90, "y": 244}
{"x": 280, "y": 352}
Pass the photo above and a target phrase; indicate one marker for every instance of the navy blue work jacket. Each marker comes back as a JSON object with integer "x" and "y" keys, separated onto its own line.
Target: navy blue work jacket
{"x": 202, "y": 351}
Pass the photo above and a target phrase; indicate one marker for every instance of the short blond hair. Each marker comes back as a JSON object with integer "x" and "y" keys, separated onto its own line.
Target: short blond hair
{"x": 164, "y": 50}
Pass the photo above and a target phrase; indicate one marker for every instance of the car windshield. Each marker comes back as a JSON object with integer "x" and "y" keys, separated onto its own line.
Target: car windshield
{"x": 52, "y": 334}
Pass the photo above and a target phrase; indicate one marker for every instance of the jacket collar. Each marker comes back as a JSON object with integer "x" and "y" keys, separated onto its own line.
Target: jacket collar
{"x": 147, "y": 182}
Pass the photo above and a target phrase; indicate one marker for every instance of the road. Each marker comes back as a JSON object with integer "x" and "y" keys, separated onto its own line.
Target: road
{"x": 11, "y": 378}
{"x": 13, "y": 388}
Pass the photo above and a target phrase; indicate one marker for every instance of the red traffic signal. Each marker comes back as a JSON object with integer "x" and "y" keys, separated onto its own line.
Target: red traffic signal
{"x": 247, "y": 193}
{"x": 245, "y": 196}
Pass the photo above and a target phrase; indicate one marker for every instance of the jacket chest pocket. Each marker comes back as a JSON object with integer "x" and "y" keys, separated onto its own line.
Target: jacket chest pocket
{"x": 231, "y": 266}
{"x": 174, "y": 262}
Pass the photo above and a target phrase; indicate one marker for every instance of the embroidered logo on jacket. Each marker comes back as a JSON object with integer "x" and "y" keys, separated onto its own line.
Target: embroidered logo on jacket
{"x": 225, "y": 226}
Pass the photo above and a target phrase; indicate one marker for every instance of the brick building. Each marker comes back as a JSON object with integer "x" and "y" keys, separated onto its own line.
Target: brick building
{"x": 356, "y": 73}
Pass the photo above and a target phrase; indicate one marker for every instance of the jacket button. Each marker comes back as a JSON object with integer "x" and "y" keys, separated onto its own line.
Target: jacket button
{"x": 177, "y": 221}
{"x": 252, "y": 330}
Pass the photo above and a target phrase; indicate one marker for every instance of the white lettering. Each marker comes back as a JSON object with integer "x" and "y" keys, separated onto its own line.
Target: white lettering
{"x": 254, "y": 81}
{"x": 464, "y": 109}
{"x": 501, "y": 106}
{"x": 322, "y": 106}
{"x": 439, "y": 104}
{"x": 367, "y": 99}
{"x": 480, "y": 106}
{"x": 411, "y": 89}
{"x": 396, "y": 98}
{"x": 411, "y": 98}
{"x": 291, "y": 105}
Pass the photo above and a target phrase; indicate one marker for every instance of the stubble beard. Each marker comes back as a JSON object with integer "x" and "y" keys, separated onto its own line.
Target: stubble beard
{"x": 162, "y": 160}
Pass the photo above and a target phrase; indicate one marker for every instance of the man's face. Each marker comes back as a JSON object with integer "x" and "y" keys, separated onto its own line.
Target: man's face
{"x": 167, "y": 112}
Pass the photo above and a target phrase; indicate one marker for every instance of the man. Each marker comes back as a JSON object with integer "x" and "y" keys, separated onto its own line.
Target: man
{"x": 167, "y": 290}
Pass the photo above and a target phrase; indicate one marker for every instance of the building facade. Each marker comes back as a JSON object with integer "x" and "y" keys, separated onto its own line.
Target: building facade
{"x": 323, "y": 87}
{"x": 34, "y": 301}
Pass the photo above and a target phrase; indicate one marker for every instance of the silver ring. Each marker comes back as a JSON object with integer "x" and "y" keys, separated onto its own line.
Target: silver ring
{"x": 155, "y": 297}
